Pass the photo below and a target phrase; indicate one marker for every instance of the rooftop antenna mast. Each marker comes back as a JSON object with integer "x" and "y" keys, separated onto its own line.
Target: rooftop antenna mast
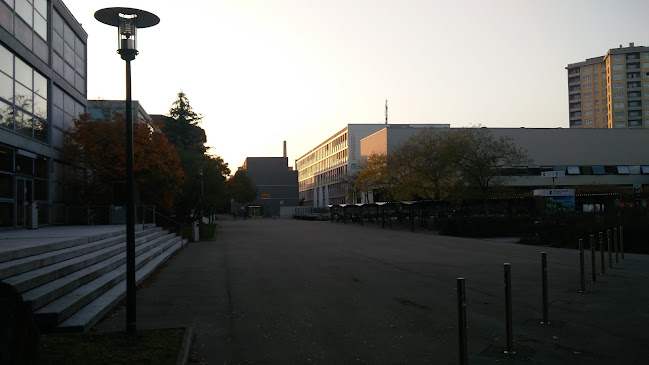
{"x": 386, "y": 111}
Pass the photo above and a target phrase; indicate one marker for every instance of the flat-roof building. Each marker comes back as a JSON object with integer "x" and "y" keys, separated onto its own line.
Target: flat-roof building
{"x": 43, "y": 67}
{"x": 591, "y": 157}
{"x": 324, "y": 170}
{"x": 276, "y": 185}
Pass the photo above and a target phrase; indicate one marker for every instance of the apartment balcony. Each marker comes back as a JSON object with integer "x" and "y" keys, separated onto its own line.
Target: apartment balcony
{"x": 633, "y": 95}
{"x": 576, "y": 97}
{"x": 574, "y": 72}
{"x": 633, "y": 86}
{"x": 634, "y": 106}
{"x": 636, "y": 123}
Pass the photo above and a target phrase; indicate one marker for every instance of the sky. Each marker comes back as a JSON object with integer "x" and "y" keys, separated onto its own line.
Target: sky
{"x": 261, "y": 72}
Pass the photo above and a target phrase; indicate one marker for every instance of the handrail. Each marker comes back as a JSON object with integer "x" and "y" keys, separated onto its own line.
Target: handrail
{"x": 155, "y": 212}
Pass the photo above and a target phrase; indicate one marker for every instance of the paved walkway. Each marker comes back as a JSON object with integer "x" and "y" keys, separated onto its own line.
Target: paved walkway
{"x": 284, "y": 291}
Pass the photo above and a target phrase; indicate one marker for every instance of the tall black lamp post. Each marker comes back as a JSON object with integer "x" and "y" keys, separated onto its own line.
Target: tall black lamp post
{"x": 127, "y": 21}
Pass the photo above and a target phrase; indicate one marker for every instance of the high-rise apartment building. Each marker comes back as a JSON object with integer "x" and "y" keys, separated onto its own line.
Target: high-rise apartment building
{"x": 610, "y": 91}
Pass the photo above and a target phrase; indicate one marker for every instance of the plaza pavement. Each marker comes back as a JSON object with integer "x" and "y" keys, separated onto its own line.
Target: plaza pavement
{"x": 300, "y": 292}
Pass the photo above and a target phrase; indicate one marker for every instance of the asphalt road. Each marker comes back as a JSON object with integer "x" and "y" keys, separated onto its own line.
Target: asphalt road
{"x": 298, "y": 292}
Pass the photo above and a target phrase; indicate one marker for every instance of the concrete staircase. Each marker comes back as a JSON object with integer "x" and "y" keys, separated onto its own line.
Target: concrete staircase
{"x": 71, "y": 284}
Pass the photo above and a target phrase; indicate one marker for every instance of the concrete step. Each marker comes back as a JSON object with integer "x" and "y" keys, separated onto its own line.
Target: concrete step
{"x": 28, "y": 263}
{"x": 34, "y": 278}
{"x": 49, "y": 315}
{"x": 41, "y": 295}
{"x": 90, "y": 314}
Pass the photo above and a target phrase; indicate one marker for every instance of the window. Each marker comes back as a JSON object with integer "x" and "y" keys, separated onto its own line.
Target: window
{"x": 588, "y": 121}
{"x": 588, "y": 95}
{"x": 618, "y": 96}
{"x": 645, "y": 65}
{"x": 617, "y": 57}
{"x": 603, "y": 83}
{"x": 588, "y": 103}
{"x": 596, "y": 93}
{"x": 595, "y": 76}
{"x": 618, "y": 67}
{"x": 623, "y": 170}
{"x": 645, "y": 169}
{"x": 586, "y": 68}
{"x": 595, "y": 67}
{"x": 617, "y": 77}
{"x": 587, "y": 86}
{"x": 25, "y": 93}
{"x": 619, "y": 115}
{"x": 588, "y": 112}
{"x": 620, "y": 125}
{"x": 573, "y": 170}
{"x": 585, "y": 78}
{"x": 599, "y": 170}
{"x": 596, "y": 102}
{"x": 618, "y": 105}
{"x": 645, "y": 55}
{"x": 618, "y": 86}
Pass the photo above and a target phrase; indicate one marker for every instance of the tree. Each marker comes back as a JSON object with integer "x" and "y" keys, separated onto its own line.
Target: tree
{"x": 241, "y": 187}
{"x": 183, "y": 126}
{"x": 97, "y": 147}
{"x": 479, "y": 156}
{"x": 204, "y": 187}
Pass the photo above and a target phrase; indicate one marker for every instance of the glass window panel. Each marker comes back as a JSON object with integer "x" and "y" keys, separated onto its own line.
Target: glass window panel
{"x": 68, "y": 34}
{"x": 645, "y": 169}
{"x": 68, "y": 73}
{"x": 68, "y": 53}
{"x": 40, "y": 25}
{"x": 79, "y": 48}
{"x": 41, "y": 7}
{"x": 6, "y": 159}
{"x": 6, "y": 61}
{"x": 623, "y": 170}
{"x": 40, "y": 107}
{"x": 24, "y": 164}
{"x": 41, "y": 130}
{"x": 41, "y": 189}
{"x": 57, "y": 23}
{"x": 599, "y": 170}
{"x": 6, "y": 87}
{"x": 24, "y": 9}
{"x": 79, "y": 65}
{"x": 57, "y": 117}
{"x": 57, "y": 64}
{"x": 6, "y": 115}
{"x": 6, "y": 186}
{"x": 23, "y": 123}
{"x": 573, "y": 170}
{"x": 40, "y": 84}
{"x": 634, "y": 170}
{"x": 57, "y": 43}
{"x": 57, "y": 97}
{"x": 78, "y": 109}
{"x": 10, "y": 3}
{"x": 79, "y": 83}
{"x": 68, "y": 104}
{"x": 23, "y": 73}
{"x": 6, "y": 214}
{"x": 24, "y": 98}
{"x": 57, "y": 138}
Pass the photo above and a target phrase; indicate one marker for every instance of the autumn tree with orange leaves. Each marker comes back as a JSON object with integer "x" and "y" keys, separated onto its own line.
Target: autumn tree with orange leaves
{"x": 96, "y": 152}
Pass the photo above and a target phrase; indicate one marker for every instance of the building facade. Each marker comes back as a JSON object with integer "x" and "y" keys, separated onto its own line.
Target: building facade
{"x": 276, "y": 185}
{"x": 324, "y": 171}
{"x": 42, "y": 90}
{"x": 604, "y": 157}
{"x": 610, "y": 91}
{"x": 104, "y": 109}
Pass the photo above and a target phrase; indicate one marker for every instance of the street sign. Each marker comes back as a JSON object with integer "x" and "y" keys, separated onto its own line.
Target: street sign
{"x": 553, "y": 174}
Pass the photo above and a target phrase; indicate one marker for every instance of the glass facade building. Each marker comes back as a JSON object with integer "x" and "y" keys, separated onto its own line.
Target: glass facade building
{"x": 42, "y": 90}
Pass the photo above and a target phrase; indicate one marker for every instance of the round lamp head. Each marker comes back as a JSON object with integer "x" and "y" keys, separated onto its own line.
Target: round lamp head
{"x": 127, "y": 20}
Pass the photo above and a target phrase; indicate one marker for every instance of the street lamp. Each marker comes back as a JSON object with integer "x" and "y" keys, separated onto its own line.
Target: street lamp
{"x": 127, "y": 20}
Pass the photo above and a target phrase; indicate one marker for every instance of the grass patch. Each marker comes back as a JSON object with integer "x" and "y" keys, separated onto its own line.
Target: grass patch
{"x": 159, "y": 346}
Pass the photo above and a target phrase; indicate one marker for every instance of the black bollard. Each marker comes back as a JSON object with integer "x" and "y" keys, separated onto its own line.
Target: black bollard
{"x": 544, "y": 283}
{"x": 592, "y": 258}
{"x": 601, "y": 252}
{"x": 461, "y": 319}
{"x": 622, "y": 241}
{"x": 609, "y": 238}
{"x": 581, "y": 266}
{"x": 617, "y": 246}
{"x": 508, "y": 309}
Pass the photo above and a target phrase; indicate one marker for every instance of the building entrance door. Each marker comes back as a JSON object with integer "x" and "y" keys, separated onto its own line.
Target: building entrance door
{"x": 24, "y": 198}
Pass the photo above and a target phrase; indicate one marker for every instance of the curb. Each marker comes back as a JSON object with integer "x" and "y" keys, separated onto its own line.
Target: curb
{"x": 185, "y": 347}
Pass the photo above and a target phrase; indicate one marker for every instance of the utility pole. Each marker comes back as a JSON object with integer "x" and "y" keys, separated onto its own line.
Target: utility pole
{"x": 386, "y": 111}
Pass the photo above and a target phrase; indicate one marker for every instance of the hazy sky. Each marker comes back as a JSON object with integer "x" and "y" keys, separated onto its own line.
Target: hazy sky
{"x": 261, "y": 72}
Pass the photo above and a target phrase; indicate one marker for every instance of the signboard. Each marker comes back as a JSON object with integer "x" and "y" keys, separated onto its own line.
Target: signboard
{"x": 556, "y": 200}
{"x": 553, "y": 173}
